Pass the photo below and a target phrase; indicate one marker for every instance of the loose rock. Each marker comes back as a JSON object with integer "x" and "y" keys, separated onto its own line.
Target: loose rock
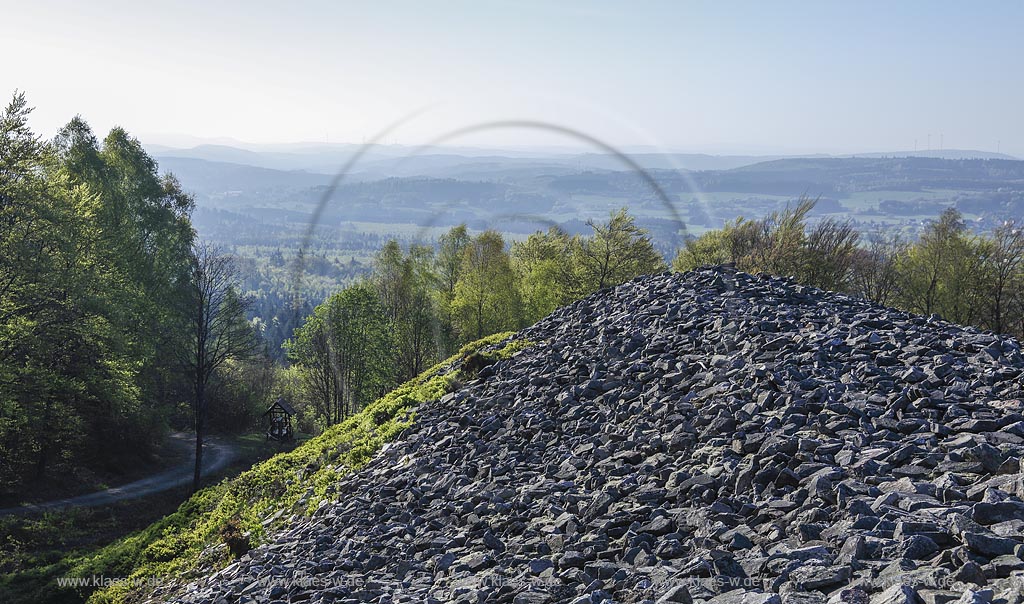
{"x": 710, "y": 436}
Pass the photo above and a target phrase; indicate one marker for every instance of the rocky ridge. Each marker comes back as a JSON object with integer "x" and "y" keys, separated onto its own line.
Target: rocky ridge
{"x": 710, "y": 436}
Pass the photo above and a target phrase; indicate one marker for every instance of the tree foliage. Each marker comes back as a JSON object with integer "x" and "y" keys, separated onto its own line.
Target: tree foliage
{"x": 966, "y": 278}
{"x": 344, "y": 352}
{"x": 874, "y": 272}
{"x": 486, "y": 297}
{"x": 783, "y": 243}
{"x": 554, "y": 269}
{"x": 1002, "y": 279}
{"x": 618, "y": 251}
{"x": 544, "y": 268}
{"x": 94, "y": 244}
{"x": 942, "y": 271}
{"x": 406, "y": 283}
{"x": 451, "y": 249}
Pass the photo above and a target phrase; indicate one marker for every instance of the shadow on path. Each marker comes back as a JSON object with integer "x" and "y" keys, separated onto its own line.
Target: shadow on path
{"x": 216, "y": 455}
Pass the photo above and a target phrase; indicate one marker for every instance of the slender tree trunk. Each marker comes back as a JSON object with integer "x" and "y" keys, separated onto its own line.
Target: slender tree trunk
{"x": 200, "y": 426}
{"x": 44, "y": 446}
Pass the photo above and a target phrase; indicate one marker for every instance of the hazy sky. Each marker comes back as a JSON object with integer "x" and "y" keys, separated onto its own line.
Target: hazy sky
{"x": 712, "y": 76}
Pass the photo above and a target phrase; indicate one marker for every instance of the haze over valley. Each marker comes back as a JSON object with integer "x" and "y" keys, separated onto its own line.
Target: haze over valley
{"x": 260, "y": 203}
{"x": 460, "y": 302}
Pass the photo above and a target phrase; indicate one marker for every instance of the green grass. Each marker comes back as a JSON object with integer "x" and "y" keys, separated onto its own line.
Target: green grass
{"x": 37, "y": 548}
{"x": 258, "y": 500}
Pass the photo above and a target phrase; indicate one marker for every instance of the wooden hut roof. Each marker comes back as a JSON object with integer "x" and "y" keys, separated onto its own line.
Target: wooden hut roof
{"x": 282, "y": 405}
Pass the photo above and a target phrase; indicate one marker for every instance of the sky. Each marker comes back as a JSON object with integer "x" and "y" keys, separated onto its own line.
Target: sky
{"x": 715, "y": 77}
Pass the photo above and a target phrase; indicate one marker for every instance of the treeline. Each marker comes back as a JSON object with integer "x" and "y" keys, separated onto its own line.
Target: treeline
{"x": 115, "y": 323}
{"x": 966, "y": 278}
{"x": 113, "y": 319}
{"x": 93, "y": 243}
{"x": 421, "y": 303}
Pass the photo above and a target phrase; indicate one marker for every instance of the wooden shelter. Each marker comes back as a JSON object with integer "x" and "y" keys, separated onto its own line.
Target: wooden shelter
{"x": 279, "y": 426}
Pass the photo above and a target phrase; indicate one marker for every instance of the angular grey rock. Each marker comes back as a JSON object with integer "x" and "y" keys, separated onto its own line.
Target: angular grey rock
{"x": 722, "y": 433}
{"x": 970, "y": 572}
{"x": 678, "y": 594}
{"x": 817, "y": 576}
{"x": 970, "y": 596}
{"x": 850, "y": 596}
{"x": 897, "y": 594}
{"x": 741, "y": 596}
{"x": 989, "y": 545}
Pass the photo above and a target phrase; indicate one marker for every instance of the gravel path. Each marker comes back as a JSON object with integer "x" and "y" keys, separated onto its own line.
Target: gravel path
{"x": 216, "y": 456}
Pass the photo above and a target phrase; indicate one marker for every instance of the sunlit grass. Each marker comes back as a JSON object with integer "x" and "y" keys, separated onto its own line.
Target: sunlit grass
{"x": 291, "y": 483}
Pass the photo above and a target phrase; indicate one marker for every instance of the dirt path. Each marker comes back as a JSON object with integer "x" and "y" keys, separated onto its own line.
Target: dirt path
{"x": 216, "y": 455}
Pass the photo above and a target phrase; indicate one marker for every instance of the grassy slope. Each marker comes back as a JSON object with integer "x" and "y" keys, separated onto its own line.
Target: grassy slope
{"x": 259, "y": 500}
{"x": 36, "y": 549}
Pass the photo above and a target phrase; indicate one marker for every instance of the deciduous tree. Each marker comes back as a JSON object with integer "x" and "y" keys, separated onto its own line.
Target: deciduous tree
{"x": 346, "y": 352}
{"x": 218, "y": 331}
{"x": 544, "y": 269}
{"x": 448, "y": 268}
{"x": 942, "y": 271}
{"x": 1003, "y": 279}
{"x": 874, "y": 272}
{"x": 486, "y": 296}
{"x": 618, "y": 251}
{"x": 405, "y": 282}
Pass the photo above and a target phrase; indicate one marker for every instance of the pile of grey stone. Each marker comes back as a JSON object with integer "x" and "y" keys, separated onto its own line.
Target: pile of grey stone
{"x": 712, "y": 436}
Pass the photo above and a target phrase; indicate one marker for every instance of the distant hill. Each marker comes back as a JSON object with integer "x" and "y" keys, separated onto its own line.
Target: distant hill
{"x": 207, "y": 177}
{"x": 840, "y": 176}
{"x": 990, "y": 171}
{"x": 586, "y": 175}
{"x": 383, "y": 161}
{"x": 942, "y": 154}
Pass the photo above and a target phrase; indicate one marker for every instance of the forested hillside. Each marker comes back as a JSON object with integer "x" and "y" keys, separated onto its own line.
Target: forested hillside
{"x": 94, "y": 251}
{"x": 117, "y": 323}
